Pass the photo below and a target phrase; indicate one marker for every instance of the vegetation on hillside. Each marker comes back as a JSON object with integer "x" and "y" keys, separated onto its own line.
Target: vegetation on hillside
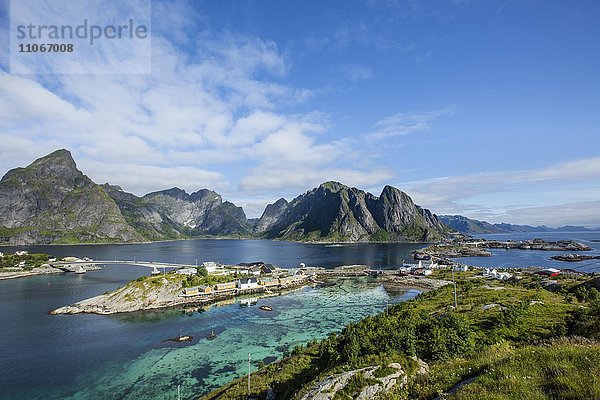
{"x": 12, "y": 261}
{"x": 517, "y": 340}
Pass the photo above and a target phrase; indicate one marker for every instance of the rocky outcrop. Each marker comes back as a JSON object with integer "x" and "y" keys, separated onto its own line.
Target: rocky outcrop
{"x": 340, "y": 386}
{"x": 51, "y": 201}
{"x": 335, "y": 212}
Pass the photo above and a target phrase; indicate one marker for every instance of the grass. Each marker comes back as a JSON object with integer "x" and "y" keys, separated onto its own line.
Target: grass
{"x": 560, "y": 369}
{"x": 515, "y": 350}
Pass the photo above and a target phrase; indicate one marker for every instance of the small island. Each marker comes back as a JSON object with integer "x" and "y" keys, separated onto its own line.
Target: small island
{"x": 192, "y": 286}
{"x": 574, "y": 257}
{"x": 471, "y": 247}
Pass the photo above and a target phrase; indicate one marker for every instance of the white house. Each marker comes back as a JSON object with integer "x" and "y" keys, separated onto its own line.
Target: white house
{"x": 503, "y": 276}
{"x": 247, "y": 283}
{"x": 187, "y": 271}
{"x": 427, "y": 271}
{"x": 211, "y": 267}
{"x": 461, "y": 268}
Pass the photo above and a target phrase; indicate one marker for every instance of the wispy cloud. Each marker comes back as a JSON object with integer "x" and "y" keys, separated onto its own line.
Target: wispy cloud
{"x": 405, "y": 123}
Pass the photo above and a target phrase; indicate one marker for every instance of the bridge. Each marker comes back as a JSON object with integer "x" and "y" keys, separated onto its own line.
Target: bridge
{"x": 149, "y": 264}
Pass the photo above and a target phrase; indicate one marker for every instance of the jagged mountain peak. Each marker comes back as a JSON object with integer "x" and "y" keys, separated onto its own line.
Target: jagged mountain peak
{"x": 333, "y": 186}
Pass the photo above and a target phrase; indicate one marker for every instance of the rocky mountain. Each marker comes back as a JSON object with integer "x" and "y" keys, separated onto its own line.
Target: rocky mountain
{"x": 202, "y": 212}
{"x": 473, "y": 226}
{"x": 468, "y": 225}
{"x": 148, "y": 219}
{"x": 335, "y": 212}
{"x": 51, "y": 201}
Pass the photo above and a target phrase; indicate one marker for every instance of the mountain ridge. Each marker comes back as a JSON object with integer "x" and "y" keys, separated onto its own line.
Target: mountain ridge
{"x": 472, "y": 226}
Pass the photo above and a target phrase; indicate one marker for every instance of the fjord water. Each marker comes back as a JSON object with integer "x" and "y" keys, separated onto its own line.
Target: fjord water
{"x": 112, "y": 357}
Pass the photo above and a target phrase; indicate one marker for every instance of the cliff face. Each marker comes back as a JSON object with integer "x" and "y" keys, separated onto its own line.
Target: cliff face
{"x": 51, "y": 201}
{"x": 335, "y": 212}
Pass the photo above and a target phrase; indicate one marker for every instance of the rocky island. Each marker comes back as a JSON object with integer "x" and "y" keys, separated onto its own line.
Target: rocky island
{"x": 470, "y": 247}
{"x": 574, "y": 257}
{"x": 185, "y": 287}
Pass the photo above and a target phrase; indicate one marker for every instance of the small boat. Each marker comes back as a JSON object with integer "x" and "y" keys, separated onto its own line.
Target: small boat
{"x": 265, "y": 308}
{"x": 248, "y": 302}
{"x": 155, "y": 271}
{"x": 212, "y": 335}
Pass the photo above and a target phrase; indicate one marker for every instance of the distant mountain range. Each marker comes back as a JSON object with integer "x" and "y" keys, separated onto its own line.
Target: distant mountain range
{"x": 472, "y": 226}
{"x": 51, "y": 201}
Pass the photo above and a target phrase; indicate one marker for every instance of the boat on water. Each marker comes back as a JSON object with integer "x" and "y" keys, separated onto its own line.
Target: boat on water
{"x": 155, "y": 271}
{"x": 248, "y": 302}
{"x": 212, "y": 335}
{"x": 265, "y": 308}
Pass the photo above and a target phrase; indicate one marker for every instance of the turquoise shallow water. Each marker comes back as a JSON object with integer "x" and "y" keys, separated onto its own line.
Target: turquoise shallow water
{"x": 124, "y": 356}
{"x": 297, "y": 318}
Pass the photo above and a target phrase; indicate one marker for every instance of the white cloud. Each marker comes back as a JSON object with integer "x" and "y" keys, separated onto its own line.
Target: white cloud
{"x": 206, "y": 118}
{"x": 514, "y": 196}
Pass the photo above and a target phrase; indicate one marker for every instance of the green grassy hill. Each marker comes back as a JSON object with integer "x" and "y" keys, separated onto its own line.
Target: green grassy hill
{"x": 515, "y": 341}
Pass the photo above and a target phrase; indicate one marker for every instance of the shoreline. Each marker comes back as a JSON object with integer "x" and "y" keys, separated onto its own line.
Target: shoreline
{"x": 208, "y": 238}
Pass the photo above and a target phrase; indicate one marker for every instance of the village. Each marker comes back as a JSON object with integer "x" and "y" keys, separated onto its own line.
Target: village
{"x": 251, "y": 278}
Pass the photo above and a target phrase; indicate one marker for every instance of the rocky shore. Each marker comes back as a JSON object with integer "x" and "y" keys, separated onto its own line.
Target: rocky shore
{"x": 33, "y": 272}
{"x": 574, "y": 257}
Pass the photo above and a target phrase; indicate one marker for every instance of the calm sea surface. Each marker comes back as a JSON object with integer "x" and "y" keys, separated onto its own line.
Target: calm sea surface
{"x": 123, "y": 356}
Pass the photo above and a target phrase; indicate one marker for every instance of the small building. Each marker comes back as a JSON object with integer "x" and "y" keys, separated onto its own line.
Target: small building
{"x": 247, "y": 283}
{"x": 211, "y": 267}
{"x": 292, "y": 279}
{"x": 503, "y": 276}
{"x": 267, "y": 282}
{"x": 21, "y": 253}
{"x": 268, "y": 269}
{"x": 255, "y": 270}
{"x": 187, "y": 271}
{"x": 204, "y": 289}
{"x": 225, "y": 286}
{"x": 52, "y": 260}
{"x": 461, "y": 268}
{"x": 549, "y": 272}
{"x": 191, "y": 291}
{"x": 1, "y": 254}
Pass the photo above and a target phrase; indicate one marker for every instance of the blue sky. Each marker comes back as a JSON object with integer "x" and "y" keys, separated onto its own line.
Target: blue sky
{"x": 489, "y": 109}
